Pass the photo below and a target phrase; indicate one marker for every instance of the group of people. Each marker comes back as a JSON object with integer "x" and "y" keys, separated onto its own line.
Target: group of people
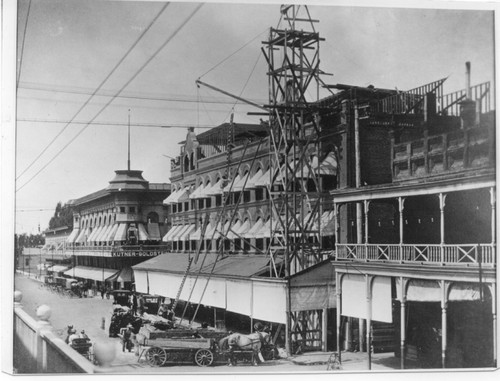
{"x": 72, "y": 335}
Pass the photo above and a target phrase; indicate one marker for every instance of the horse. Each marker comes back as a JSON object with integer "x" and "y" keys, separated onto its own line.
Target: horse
{"x": 252, "y": 342}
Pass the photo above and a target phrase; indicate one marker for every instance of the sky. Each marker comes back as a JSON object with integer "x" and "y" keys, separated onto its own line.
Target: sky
{"x": 67, "y": 48}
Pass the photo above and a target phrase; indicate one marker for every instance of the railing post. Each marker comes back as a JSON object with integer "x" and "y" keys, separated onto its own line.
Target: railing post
{"x": 442, "y": 203}
{"x": 401, "y": 203}
{"x": 43, "y": 314}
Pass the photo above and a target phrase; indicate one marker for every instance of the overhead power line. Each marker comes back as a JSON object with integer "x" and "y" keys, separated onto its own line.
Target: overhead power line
{"x": 155, "y": 125}
{"x": 107, "y": 93}
{"x": 21, "y": 53}
{"x": 97, "y": 89}
{"x": 118, "y": 93}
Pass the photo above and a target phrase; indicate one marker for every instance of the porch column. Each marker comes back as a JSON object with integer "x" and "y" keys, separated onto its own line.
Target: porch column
{"x": 403, "y": 320}
{"x": 493, "y": 290}
{"x": 336, "y": 208}
{"x": 324, "y": 330}
{"x": 444, "y": 306}
{"x": 493, "y": 209}
{"x": 338, "y": 284}
{"x": 401, "y": 204}
{"x": 367, "y": 209}
{"x": 368, "y": 279}
{"x": 442, "y": 204}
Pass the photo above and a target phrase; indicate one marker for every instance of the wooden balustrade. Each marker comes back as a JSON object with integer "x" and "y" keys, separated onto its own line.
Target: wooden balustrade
{"x": 431, "y": 254}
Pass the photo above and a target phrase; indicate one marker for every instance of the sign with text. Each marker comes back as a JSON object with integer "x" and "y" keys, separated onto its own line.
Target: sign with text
{"x": 136, "y": 253}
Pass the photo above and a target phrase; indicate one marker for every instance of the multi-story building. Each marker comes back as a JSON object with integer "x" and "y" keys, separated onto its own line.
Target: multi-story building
{"x": 415, "y": 221}
{"x": 115, "y": 228}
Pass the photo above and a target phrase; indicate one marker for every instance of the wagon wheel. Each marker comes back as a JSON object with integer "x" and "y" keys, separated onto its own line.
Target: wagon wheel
{"x": 203, "y": 357}
{"x": 156, "y": 356}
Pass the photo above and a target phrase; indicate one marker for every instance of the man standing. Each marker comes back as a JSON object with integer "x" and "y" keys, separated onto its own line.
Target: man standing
{"x": 127, "y": 338}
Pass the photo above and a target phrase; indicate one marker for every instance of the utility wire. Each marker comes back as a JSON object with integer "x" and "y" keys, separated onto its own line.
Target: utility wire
{"x": 155, "y": 125}
{"x": 22, "y": 45}
{"x": 118, "y": 93}
{"x": 147, "y": 97}
{"x": 232, "y": 54}
{"x": 97, "y": 89}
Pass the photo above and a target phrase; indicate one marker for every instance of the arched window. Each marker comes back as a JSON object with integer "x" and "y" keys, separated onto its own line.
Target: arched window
{"x": 153, "y": 217}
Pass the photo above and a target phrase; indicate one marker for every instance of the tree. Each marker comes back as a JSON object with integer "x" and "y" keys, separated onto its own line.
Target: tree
{"x": 63, "y": 216}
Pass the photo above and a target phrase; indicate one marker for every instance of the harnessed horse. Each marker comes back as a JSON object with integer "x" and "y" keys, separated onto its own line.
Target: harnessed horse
{"x": 252, "y": 343}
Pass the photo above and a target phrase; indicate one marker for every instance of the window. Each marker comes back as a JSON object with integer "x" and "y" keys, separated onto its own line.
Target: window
{"x": 246, "y": 196}
{"x": 122, "y": 209}
{"x": 132, "y": 209}
{"x": 200, "y": 203}
{"x": 179, "y": 207}
{"x": 259, "y": 194}
{"x": 186, "y": 206}
{"x": 174, "y": 208}
{"x": 218, "y": 200}
{"x": 208, "y": 203}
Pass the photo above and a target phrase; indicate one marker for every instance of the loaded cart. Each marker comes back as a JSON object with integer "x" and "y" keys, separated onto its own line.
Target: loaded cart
{"x": 178, "y": 346}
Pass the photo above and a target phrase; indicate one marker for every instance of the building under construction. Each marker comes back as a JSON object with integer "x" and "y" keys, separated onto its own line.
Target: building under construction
{"x": 327, "y": 222}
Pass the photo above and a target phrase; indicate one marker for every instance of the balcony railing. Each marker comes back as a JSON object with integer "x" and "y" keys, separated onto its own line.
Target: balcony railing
{"x": 428, "y": 254}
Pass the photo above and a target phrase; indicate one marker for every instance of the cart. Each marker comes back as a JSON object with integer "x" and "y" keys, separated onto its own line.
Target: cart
{"x": 84, "y": 347}
{"x": 179, "y": 346}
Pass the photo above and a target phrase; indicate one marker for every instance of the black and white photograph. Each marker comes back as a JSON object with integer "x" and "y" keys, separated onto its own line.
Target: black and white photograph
{"x": 248, "y": 188}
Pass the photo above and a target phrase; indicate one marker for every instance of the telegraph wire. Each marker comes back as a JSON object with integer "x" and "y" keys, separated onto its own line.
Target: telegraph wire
{"x": 118, "y": 93}
{"x": 22, "y": 45}
{"x": 153, "y": 125}
{"x": 146, "y": 97}
{"x": 97, "y": 89}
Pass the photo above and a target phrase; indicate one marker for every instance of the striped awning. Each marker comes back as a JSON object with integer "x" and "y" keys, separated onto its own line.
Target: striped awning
{"x": 104, "y": 232}
{"x": 196, "y": 236}
{"x": 234, "y": 182}
{"x": 173, "y": 230}
{"x": 73, "y": 235}
{"x": 251, "y": 180}
{"x": 82, "y": 236}
{"x": 185, "y": 235}
{"x": 111, "y": 233}
{"x": 262, "y": 181}
{"x": 171, "y": 197}
{"x": 143, "y": 234}
{"x": 250, "y": 233}
{"x": 215, "y": 190}
{"x": 176, "y": 236}
{"x": 234, "y": 229}
{"x": 93, "y": 273}
{"x": 121, "y": 233}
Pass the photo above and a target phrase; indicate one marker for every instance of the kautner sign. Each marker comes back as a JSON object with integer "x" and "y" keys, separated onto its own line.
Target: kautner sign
{"x": 135, "y": 253}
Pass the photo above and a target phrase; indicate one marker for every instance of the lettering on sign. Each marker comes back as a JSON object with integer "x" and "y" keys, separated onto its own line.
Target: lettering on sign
{"x": 135, "y": 253}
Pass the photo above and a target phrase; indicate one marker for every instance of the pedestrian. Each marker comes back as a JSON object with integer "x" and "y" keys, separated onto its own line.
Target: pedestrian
{"x": 72, "y": 337}
{"x": 102, "y": 292}
{"x": 83, "y": 335}
{"x": 134, "y": 303}
{"x": 127, "y": 338}
{"x": 68, "y": 333}
{"x": 140, "y": 305}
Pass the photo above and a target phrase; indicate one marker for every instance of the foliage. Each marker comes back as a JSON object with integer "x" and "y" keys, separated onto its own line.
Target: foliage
{"x": 63, "y": 216}
{"x": 32, "y": 240}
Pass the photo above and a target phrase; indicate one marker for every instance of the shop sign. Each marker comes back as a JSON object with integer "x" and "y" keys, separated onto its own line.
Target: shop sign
{"x": 136, "y": 253}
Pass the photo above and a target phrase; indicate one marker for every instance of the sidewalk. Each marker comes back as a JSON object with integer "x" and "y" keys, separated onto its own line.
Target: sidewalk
{"x": 350, "y": 360}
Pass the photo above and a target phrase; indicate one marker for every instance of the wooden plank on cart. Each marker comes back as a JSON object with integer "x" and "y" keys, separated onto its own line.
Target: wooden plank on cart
{"x": 181, "y": 343}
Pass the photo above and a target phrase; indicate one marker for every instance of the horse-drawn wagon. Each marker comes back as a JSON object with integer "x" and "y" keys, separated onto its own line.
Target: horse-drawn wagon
{"x": 204, "y": 347}
{"x": 178, "y": 346}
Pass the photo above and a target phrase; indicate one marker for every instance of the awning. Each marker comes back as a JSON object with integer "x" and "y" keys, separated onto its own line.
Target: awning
{"x": 97, "y": 231}
{"x": 93, "y": 273}
{"x": 215, "y": 190}
{"x": 143, "y": 234}
{"x": 121, "y": 233}
{"x": 104, "y": 233}
{"x": 154, "y": 231}
{"x": 169, "y": 234}
{"x": 185, "y": 235}
{"x": 327, "y": 167}
{"x": 202, "y": 191}
{"x": 124, "y": 275}
{"x": 254, "y": 229}
{"x": 263, "y": 181}
{"x": 254, "y": 178}
{"x": 171, "y": 197}
{"x": 73, "y": 235}
{"x": 234, "y": 229}
{"x": 111, "y": 233}
{"x": 196, "y": 236}
{"x": 313, "y": 288}
{"x": 58, "y": 268}
{"x": 219, "y": 231}
{"x": 81, "y": 236}
{"x": 234, "y": 181}
{"x": 179, "y": 233}
{"x": 42, "y": 266}
{"x": 196, "y": 192}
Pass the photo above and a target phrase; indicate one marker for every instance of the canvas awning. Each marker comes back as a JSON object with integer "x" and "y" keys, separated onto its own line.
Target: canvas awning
{"x": 171, "y": 197}
{"x": 58, "y": 268}
{"x": 93, "y": 273}
{"x": 236, "y": 180}
{"x": 233, "y": 284}
{"x": 81, "y": 236}
{"x": 186, "y": 234}
{"x": 143, "y": 234}
{"x": 121, "y": 233}
{"x": 73, "y": 235}
{"x": 154, "y": 231}
{"x": 175, "y": 236}
{"x": 104, "y": 230}
{"x": 172, "y": 231}
{"x": 196, "y": 236}
{"x": 234, "y": 229}
{"x": 178, "y": 196}
{"x": 111, "y": 233}
{"x": 254, "y": 229}
{"x": 97, "y": 231}
{"x": 215, "y": 190}
{"x": 198, "y": 192}
{"x": 251, "y": 181}
{"x": 263, "y": 181}
{"x": 202, "y": 193}
{"x": 124, "y": 275}
{"x": 313, "y": 288}
{"x": 327, "y": 167}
